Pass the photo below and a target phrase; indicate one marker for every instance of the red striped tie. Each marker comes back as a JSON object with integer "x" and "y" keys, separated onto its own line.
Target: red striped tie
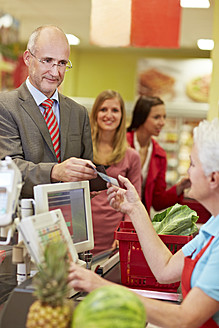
{"x": 52, "y": 124}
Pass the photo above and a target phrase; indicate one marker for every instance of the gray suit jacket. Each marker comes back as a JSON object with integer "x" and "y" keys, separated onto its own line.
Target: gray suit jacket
{"x": 25, "y": 137}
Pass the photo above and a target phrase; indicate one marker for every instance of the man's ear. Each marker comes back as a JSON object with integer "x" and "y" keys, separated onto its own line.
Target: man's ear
{"x": 26, "y": 57}
{"x": 214, "y": 179}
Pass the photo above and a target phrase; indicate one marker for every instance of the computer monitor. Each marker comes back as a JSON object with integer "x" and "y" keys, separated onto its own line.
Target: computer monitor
{"x": 73, "y": 198}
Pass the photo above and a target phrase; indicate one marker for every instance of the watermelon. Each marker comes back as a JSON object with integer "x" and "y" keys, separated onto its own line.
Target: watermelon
{"x": 110, "y": 306}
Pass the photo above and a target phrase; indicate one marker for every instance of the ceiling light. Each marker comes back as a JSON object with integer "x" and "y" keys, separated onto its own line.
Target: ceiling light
{"x": 72, "y": 39}
{"x": 205, "y": 44}
{"x": 195, "y": 3}
{"x": 6, "y": 21}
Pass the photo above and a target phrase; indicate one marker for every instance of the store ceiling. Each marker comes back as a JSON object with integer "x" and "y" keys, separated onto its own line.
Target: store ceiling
{"x": 73, "y": 16}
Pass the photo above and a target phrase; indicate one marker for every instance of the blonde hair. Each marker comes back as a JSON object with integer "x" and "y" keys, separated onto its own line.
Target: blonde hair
{"x": 119, "y": 142}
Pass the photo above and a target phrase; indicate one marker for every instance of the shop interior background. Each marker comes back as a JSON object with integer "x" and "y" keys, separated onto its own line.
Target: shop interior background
{"x": 98, "y": 68}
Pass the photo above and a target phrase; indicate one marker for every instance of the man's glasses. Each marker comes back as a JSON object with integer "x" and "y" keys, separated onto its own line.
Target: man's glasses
{"x": 50, "y": 62}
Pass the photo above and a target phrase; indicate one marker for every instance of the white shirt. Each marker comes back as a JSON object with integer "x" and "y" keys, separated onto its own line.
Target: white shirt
{"x": 145, "y": 167}
{"x": 39, "y": 97}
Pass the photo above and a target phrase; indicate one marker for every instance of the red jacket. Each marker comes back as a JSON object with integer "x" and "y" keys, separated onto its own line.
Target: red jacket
{"x": 155, "y": 193}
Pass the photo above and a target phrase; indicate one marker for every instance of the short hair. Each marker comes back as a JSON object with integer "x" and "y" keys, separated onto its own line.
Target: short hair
{"x": 119, "y": 142}
{"x": 36, "y": 33}
{"x": 142, "y": 110}
{"x": 206, "y": 138}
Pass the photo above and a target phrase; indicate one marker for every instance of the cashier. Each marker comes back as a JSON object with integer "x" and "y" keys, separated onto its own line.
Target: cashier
{"x": 197, "y": 263}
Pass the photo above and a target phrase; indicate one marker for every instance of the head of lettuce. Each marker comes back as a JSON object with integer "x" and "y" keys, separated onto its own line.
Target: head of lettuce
{"x": 176, "y": 220}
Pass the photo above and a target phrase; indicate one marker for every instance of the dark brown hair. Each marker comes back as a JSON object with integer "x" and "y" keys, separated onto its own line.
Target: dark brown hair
{"x": 142, "y": 109}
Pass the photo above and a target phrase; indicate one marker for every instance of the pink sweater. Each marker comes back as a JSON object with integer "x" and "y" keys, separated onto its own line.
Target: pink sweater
{"x": 105, "y": 218}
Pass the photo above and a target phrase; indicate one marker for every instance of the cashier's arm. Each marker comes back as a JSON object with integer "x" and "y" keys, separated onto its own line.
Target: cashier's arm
{"x": 191, "y": 313}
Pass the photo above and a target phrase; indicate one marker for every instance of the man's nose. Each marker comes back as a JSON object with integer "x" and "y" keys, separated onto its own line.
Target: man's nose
{"x": 55, "y": 68}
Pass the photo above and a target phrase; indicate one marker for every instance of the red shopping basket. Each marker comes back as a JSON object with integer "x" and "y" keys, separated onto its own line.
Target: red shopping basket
{"x": 135, "y": 272}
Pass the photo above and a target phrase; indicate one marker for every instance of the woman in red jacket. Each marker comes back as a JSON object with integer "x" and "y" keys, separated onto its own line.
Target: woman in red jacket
{"x": 147, "y": 121}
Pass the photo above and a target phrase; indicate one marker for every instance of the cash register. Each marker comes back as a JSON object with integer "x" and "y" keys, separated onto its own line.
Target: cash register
{"x": 60, "y": 208}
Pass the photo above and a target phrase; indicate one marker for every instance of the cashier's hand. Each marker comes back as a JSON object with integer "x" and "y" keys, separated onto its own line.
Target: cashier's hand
{"x": 85, "y": 280}
{"x": 123, "y": 200}
{"x": 73, "y": 169}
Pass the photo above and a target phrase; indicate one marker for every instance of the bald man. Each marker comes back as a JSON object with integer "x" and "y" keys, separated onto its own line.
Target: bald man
{"x": 24, "y": 134}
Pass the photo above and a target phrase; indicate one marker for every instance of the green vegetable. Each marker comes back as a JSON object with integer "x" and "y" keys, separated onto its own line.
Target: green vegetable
{"x": 110, "y": 307}
{"x": 176, "y": 220}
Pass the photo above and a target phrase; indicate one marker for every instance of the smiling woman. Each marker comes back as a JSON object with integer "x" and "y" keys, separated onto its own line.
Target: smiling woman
{"x": 108, "y": 129}
{"x": 148, "y": 119}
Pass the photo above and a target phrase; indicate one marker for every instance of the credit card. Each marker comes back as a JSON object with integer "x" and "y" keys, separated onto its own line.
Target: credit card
{"x": 106, "y": 178}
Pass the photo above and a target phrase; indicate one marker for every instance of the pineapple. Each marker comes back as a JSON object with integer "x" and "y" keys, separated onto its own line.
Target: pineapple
{"x": 51, "y": 309}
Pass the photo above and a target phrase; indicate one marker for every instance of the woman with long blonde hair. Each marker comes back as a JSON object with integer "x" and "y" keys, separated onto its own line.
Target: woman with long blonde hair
{"x": 110, "y": 148}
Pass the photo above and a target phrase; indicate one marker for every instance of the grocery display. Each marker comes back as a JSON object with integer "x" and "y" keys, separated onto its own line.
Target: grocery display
{"x": 177, "y": 138}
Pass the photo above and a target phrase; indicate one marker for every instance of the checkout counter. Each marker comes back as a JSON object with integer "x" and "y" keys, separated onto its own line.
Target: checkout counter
{"x": 14, "y": 311}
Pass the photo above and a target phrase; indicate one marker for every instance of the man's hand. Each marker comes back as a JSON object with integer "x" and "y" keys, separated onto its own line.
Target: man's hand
{"x": 73, "y": 169}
